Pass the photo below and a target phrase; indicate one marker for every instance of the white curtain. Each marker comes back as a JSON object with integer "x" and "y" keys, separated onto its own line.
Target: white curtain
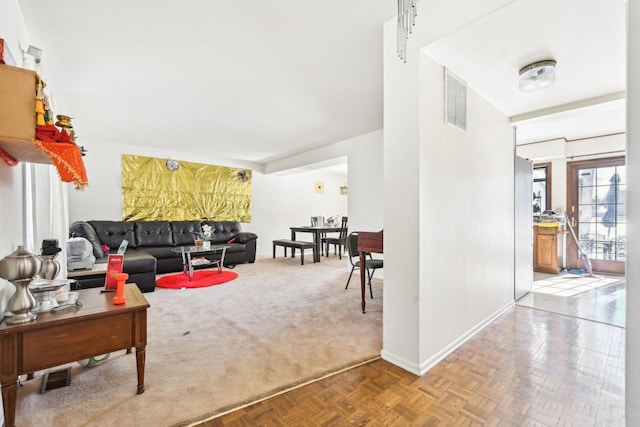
{"x": 46, "y": 213}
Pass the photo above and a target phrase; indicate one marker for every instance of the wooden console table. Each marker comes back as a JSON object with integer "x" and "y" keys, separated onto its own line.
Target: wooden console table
{"x": 368, "y": 242}
{"x": 72, "y": 334}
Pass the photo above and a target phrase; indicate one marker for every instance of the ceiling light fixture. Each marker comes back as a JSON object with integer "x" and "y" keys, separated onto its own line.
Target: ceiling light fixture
{"x": 537, "y": 75}
{"x": 407, "y": 13}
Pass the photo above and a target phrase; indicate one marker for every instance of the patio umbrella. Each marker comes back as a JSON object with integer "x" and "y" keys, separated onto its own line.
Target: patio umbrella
{"x": 609, "y": 217}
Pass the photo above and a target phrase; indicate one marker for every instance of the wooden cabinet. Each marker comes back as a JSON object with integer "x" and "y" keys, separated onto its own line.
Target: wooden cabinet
{"x": 548, "y": 249}
{"x": 17, "y": 114}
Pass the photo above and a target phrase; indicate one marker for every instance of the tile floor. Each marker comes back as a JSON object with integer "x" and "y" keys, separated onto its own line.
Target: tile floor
{"x": 569, "y": 285}
{"x": 600, "y": 300}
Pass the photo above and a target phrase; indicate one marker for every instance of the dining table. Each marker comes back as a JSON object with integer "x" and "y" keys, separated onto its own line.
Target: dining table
{"x": 318, "y": 233}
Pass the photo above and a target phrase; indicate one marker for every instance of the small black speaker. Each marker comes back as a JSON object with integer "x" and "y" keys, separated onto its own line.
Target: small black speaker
{"x": 50, "y": 247}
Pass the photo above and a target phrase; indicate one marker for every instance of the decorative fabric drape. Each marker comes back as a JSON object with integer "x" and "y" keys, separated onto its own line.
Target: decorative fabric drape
{"x": 64, "y": 153}
{"x": 161, "y": 189}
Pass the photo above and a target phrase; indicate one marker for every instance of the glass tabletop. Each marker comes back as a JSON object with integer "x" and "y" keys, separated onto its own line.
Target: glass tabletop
{"x": 192, "y": 249}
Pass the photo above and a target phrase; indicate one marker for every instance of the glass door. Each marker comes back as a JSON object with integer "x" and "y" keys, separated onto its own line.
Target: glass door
{"x": 597, "y": 211}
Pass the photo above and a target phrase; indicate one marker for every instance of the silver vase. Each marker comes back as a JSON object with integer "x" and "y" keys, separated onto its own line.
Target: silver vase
{"x": 49, "y": 267}
{"x": 20, "y": 267}
{"x": 21, "y": 303}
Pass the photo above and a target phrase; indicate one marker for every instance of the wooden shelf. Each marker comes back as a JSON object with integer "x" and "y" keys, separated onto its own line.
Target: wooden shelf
{"x": 17, "y": 115}
{"x": 24, "y": 150}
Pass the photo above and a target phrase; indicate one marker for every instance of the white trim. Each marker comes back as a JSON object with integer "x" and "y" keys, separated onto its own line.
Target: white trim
{"x": 403, "y": 363}
{"x": 425, "y": 366}
{"x": 436, "y": 358}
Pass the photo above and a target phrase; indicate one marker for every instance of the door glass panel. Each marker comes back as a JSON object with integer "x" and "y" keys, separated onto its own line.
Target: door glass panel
{"x": 601, "y": 205}
{"x": 586, "y": 195}
{"x": 587, "y": 213}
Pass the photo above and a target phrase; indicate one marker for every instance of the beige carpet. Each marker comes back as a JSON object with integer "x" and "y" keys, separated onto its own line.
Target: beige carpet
{"x": 213, "y": 348}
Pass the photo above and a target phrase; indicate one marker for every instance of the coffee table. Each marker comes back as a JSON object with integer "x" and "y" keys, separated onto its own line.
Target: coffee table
{"x": 187, "y": 251}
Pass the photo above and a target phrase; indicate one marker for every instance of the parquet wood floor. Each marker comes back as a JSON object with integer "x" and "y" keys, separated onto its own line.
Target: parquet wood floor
{"x": 528, "y": 368}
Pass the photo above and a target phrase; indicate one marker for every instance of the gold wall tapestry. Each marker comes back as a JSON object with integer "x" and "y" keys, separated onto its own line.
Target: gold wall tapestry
{"x": 165, "y": 189}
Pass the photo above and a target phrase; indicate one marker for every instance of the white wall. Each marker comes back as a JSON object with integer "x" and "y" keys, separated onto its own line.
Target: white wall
{"x": 11, "y": 207}
{"x": 454, "y": 191}
{"x": 364, "y": 156}
{"x": 632, "y": 368}
{"x": 467, "y": 217}
{"x": 278, "y": 201}
{"x": 11, "y": 189}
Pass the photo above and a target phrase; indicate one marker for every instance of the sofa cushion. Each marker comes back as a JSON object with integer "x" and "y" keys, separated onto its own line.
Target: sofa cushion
{"x": 153, "y": 233}
{"x": 138, "y": 261}
{"x": 112, "y": 233}
{"x": 222, "y": 231}
{"x": 162, "y": 252}
{"x": 235, "y": 248}
{"x": 84, "y": 229}
{"x": 185, "y": 232}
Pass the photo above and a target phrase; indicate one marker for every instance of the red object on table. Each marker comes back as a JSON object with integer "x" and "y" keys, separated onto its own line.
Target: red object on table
{"x": 121, "y": 278}
{"x": 115, "y": 264}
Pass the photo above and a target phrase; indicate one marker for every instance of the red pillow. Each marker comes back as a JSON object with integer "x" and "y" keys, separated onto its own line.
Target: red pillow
{"x": 233, "y": 239}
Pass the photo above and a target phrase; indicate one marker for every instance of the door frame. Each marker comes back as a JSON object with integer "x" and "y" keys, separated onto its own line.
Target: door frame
{"x": 573, "y": 259}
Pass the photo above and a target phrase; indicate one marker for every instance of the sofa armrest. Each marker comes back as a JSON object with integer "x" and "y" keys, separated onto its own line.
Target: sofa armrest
{"x": 245, "y": 237}
{"x": 86, "y": 230}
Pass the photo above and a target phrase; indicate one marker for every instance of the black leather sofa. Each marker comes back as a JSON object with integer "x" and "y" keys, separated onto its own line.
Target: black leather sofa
{"x": 150, "y": 242}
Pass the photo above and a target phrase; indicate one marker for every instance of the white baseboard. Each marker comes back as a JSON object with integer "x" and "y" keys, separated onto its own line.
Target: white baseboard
{"x": 403, "y": 363}
{"x": 425, "y": 366}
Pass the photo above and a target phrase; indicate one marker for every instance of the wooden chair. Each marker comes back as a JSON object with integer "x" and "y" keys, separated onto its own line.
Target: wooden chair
{"x": 339, "y": 243}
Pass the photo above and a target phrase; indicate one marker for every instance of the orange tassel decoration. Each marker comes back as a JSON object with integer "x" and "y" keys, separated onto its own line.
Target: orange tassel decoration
{"x": 39, "y": 113}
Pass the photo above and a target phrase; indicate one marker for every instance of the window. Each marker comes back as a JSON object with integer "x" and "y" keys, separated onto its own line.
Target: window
{"x": 541, "y": 187}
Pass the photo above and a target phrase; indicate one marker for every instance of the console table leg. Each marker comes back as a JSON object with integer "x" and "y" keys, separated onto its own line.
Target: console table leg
{"x": 140, "y": 357}
{"x": 9, "y": 395}
{"x": 363, "y": 267}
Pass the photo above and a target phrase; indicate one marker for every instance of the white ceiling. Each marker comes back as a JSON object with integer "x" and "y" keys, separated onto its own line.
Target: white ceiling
{"x": 260, "y": 80}
{"x": 254, "y": 80}
{"x": 585, "y": 37}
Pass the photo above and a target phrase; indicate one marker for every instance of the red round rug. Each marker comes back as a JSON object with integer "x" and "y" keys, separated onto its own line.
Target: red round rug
{"x": 201, "y": 279}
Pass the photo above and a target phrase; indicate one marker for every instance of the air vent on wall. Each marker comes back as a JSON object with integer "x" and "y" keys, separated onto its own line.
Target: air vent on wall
{"x": 455, "y": 101}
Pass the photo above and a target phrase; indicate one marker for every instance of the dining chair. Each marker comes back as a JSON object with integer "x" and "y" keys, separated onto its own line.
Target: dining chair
{"x": 371, "y": 264}
{"x": 317, "y": 221}
{"x": 339, "y": 243}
